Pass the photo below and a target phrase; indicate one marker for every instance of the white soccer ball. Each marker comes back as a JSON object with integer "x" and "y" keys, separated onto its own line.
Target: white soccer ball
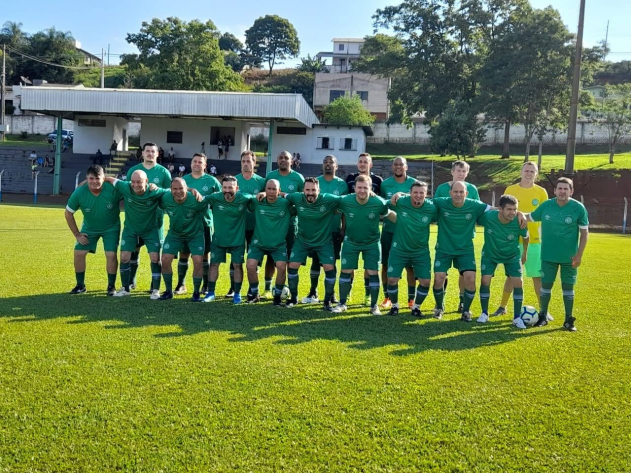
{"x": 285, "y": 294}
{"x": 529, "y": 315}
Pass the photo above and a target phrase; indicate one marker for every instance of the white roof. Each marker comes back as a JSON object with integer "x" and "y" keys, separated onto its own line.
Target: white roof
{"x": 348, "y": 40}
{"x": 180, "y": 103}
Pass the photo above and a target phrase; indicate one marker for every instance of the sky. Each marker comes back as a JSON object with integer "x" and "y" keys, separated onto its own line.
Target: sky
{"x": 99, "y": 24}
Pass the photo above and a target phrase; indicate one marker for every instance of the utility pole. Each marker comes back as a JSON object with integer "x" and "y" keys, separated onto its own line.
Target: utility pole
{"x": 576, "y": 85}
{"x": 3, "y": 88}
{"x": 606, "y": 41}
{"x": 108, "y": 50}
{"x": 102, "y": 69}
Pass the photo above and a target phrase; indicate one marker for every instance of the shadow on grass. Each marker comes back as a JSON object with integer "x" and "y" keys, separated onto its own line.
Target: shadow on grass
{"x": 247, "y": 323}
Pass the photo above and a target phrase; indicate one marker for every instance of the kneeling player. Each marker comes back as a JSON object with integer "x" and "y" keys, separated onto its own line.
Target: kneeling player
{"x": 501, "y": 246}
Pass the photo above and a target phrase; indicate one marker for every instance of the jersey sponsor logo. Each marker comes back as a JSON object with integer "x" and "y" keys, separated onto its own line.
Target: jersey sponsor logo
{"x": 535, "y": 202}
{"x": 425, "y": 219}
{"x": 322, "y": 209}
{"x": 156, "y": 180}
{"x": 568, "y": 220}
{"x": 371, "y": 215}
{"x": 468, "y": 216}
{"x": 110, "y": 206}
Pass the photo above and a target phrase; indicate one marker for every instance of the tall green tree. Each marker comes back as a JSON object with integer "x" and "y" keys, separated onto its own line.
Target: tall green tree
{"x": 179, "y": 55}
{"x": 56, "y": 47}
{"x": 347, "y": 111}
{"x": 311, "y": 64}
{"x": 13, "y": 36}
{"x": 229, "y": 42}
{"x": 614, "y": 116}
{"x": 272, "y": 39}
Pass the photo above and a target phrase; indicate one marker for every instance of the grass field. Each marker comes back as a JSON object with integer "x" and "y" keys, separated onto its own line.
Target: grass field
{"x": 90, "y": 383}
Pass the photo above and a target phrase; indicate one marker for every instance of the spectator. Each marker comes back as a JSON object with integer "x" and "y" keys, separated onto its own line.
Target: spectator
{"x": 46, "y": 161}
{"x": 228, "y": 143}
{"x": 40, "y": 161}
{"x": 219, "y": 148}
{"x": 33, "y": 157}
{"x": 181, "y": 170}
{"x": 98, "y": 157}
{"x": 171, "y": 155}
{"x": 123, "y": 176}
{"x": 138, "y": 154}
{"x": 171, "y": 168}
{"x": 114, "y": 148}
{"x": 298, "y": 161}
{"x": 160, "y": 155}
{"x": 33, "y": 170}
{"x": 52, "y": 165}
{"x": 213, "y": 170}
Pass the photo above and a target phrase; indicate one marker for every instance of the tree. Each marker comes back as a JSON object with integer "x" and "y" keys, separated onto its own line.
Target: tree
{"x": 272, "y": 38}
{"x": 229, "y": 42}
{"x": 458, "y": 131}
{"x": 615, "y": 115}
{"x": 347, "y": 111}
{"x": 312, "y": 64}
{"x": 178, "y": 55}
{"x": 57, "y": 47}
{"x": 294, "y": 82}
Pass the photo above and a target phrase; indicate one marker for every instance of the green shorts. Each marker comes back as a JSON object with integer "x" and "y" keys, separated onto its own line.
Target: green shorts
{"x": 420, "y": 261}
{"x": 174, "y": 244}
{"x": 371, "y": 255}
{"x": 549, "y": 272}
{"x": 218, "y": 254}
{"x": 258, "y": 253}
{"x": 532, "y": 268}
{"x": 512, "y": 269}
{"x": 300, "y": 251}
{"x": 110, "y": 240}
{"x": 151, "y": 239}
{"x": 386, "y": 245}
{"x": 462, "y": 263}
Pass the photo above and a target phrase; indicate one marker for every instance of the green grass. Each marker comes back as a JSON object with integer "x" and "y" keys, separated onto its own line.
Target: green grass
{"x": 22, "y": 142}
{"x": 90, "y": 383}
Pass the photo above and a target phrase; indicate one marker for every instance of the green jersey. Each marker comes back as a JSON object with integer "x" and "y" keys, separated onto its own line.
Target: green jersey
{"x": 100, "y": 212}
{"x": 229, "y": 218}
{"x": 205, "y": 185}
{"x": 252, "y": 186}
{"x": 456, "y": 225}
{"x": 389, "y": 187}
{"x": 362, "y": 220}
{"x": 292, "y": 182}
{"x": 140, "y": 210}
{"x": 184, "y": 218}
{"x": 501, "y": 240}
{"x": 158, "y": 175}
{"x": 314, "y": 227}
{"x": 272, "y": 223}
{"x": 560, "y": 229}
{"x": 443, "y": 191}
{"x": 335, "y": 186}
{"x": 411, "y": 231}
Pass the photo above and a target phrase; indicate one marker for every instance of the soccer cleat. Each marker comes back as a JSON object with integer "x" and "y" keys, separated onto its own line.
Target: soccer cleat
{"x": 466, "y": 316}
{"x": 132, "y": 286}
{"x": 499, "y": 311}
{"x": 542, "y": 322}
{"x": 460, "y": 308}
{"x": 209, "y": 297}
{"x": 438, "y": 313}
{"x": 229, "y": 294}
{"x": 416, "y": 312}
{"x": 268, "y": 295}
{"x": 155, "y": 295}
{"x": 197, "y": 297}
{"x": 410, "y": 304}
{"x": 367, "y": 301}
{"x": 393, "y": 311}
{"x": 327, "y": 307}
{"x": 338, "y": 309}
{"x": 122, "y": 292}
{"x": 387, "y": 303}
{"x": 180, "y": 289}
{"x": 277, "y": 301}
{"x": 111, "y": 290}
{"x": 236, "y": 298}
{"x": 291, "y": 303}
{"x": 204, "y": 289}
{"x": 334, "y": 300}
{"x": 569, "y": 324}
{"x": 78, "y": 290}
{"x": 518, "y": 323}
{"x": 310, "y": 299}
{"x": 484, "y": 318}
{"x": 166, "y": 295}
{"x": 374, "y": 310}
{"x": 549, "y": 318}
{"x": 253, "y": 299}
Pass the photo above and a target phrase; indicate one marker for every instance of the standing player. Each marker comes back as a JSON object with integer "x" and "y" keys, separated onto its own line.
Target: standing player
{"x": 290, "y": 181}
{"x": 362, "y": 211}
{"x": 564, "y": 233}
{"x": 398, "y": 182}
{"x": 186, "y": 233}
{"x": 364, "y": 166}
{"x": 329, "y": 184}
{"x": 99, "y": 204}
{"x": 459, "y": 172}
{"x": 229, "y": 210}
{"x": 205, "y": 184}
{"x": 161, "y": 177}
{"x": 530, "y": 196}
{"x": 249, "y": 183}
{"x": 410, "y": 245}
{"x": 141, "y": 223}
{"x": 314, "y": 212}
{"x": 273, "y": 218}
{"x": 502, "y": 234}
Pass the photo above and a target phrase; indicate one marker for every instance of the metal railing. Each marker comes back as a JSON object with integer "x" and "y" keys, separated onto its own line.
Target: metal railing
{"x": 1, "y": 173}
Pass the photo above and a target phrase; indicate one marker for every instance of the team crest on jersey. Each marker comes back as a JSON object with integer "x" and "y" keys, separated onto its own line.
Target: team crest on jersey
{"x": 255, "y": 242}
{"x": 336, "y": 192}
{"x": 282, "y": 213}
{"x": 148, "y": 203}
{"x": 568, "y": 220}
{"x": 129, "y": 200}
{"x": 511, "y": 237}
{"x": 322, "y": 209}
{"x": 371, "y": 216}
{"x": 189, "y": 214}
{"x": 167, "y": 246}
{"x": 205, "y": 188}
{"x": 404, "y": 214}
{"x": 468, "y": 216}
{"x": 425, "y": 219}
{"x": 110, "y": 206}
{"x": 241, "y": 208}
{"x": 291, "y": 187}
{"x": 535, "y": 202}
{"x": 156, "y": 180}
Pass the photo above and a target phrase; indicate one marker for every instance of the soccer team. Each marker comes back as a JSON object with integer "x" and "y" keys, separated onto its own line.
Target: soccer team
{"x": 288, "y": 219}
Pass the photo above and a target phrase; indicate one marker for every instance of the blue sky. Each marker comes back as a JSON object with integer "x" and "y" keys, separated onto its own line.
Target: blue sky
{"x": 97, "y": 24}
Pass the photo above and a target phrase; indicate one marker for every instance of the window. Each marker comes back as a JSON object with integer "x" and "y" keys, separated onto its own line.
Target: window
{"x": 348, "y": 144}
{"x": 291, "y": 130}
{"x": 174, "y": 137}
{"x": 334, "y": 94}
{"x": 324, "y": 142}
{"x": 340, "y": 47}
{"x": 363, "y": 94}
{"x": 91, "y": 122}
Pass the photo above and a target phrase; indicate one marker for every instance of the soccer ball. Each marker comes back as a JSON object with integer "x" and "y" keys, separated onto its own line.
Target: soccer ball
{"x": 285, "y": 294}
{"x": 529, "y": 315}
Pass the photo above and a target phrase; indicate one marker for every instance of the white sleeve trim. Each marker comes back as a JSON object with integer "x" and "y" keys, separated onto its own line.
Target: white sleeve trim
{"x": 488, "y": 207}
{"x": 70, "y": 210}
{"x": 584, "y": 227}
{"x": 115, "y": 181}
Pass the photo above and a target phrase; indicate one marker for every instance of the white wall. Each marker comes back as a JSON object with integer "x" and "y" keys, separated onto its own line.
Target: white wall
{"x": 87, "y": 139}
{"x": 194, "y": 132}
{"x": 376, "y": 87}
{"x": 36, "y": 124}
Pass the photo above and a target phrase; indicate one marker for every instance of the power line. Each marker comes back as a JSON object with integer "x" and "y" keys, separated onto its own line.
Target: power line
{"x": 48, "y": 63}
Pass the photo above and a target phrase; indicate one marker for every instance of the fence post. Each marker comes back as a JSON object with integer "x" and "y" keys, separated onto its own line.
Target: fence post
{"x": 1, "y": 173}
{"x": 35, "y": 188}
{"x": 624, "y": 217}
{"x": 582, "y": 199}
{"x": 76, "y": 181}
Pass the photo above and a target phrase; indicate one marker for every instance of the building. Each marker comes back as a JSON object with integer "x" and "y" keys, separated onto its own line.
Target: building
{"x": 339, "y": 79}
{"x": 89, "y": 59}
